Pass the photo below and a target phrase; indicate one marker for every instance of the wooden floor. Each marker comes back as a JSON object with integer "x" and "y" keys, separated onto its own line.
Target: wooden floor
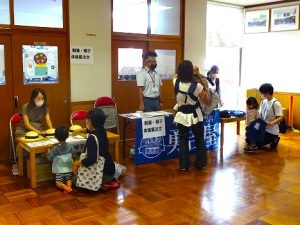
{"x": 259, "y": 188}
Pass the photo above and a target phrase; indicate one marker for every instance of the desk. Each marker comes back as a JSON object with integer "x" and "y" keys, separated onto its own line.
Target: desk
{"x": 127, "y": 119}
{"x": 156, "y": 137}
{"x": 115, "y": 138}
{"x": 229, "y": 120}
{"x": 21, "y": 144}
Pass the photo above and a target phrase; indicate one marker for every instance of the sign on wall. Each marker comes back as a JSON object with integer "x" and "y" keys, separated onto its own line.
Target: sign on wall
{"x": 81, "y": 55}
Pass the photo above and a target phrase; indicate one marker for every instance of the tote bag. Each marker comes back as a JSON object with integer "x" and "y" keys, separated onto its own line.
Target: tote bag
{"x": 91, "y": 177}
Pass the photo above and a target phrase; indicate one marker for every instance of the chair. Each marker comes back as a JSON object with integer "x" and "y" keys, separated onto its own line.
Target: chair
{"x": 14, "y": 120}
{"x": 109, "y": 107}
{"x": 78, "y": 115}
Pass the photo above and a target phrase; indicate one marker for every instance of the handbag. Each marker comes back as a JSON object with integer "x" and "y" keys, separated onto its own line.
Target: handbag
{"x": 91, "y": 177}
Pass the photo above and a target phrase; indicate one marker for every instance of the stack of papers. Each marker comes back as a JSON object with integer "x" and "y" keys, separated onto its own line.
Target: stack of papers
{"x": 40, "y": 143}
{"x": 52, "y": 141}
{"x": 75, "y": 138}
{"x": 157, "y": 113}
{"x": 138, "y": 115}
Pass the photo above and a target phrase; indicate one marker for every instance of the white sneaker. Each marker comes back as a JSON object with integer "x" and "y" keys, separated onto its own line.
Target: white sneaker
{"x": 120, "y": 170}
{"x": 131, "y": 153}
{"x": 15, "y": 169}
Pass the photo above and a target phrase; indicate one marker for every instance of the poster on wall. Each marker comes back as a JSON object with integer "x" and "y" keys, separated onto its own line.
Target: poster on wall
{"x": 285, "y": 18}
{"x": 257, "y": 21}
{"x": 40, "y": 64}
{"x": 82, "y": 55}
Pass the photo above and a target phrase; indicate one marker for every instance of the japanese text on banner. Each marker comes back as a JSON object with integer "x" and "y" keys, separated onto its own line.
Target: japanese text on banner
{"x": 153, "y": 127}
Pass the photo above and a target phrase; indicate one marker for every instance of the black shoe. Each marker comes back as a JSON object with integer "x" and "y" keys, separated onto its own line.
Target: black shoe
{"x": 200, "y": 167}
{"x": 275, "y": 142}
{"x": 248, "y": 149}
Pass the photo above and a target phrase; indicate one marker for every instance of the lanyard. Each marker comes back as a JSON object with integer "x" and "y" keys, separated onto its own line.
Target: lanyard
{"x": 152, "y": 78}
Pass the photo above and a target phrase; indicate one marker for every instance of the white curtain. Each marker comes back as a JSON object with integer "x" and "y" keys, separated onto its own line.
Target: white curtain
{"x": 224, "y": 25}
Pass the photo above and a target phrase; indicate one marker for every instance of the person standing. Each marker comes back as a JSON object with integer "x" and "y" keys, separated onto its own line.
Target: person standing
{"x": 213, "y": 80}
{"x": 62, "y": 159}
{"x": 34, "y": 113}
{"x": 189, "y": 115}
{"x": 149, "y": 84}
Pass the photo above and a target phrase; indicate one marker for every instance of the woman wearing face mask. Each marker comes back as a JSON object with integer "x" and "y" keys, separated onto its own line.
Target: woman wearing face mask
{"x": 34, "y": 112}
{"x": 213, "y": 80}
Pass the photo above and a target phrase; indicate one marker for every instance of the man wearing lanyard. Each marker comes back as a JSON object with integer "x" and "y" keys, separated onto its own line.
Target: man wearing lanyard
{"x": 149, "y": 83}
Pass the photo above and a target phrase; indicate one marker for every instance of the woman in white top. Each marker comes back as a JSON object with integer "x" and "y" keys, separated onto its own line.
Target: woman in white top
{"x": 189, "y": 115}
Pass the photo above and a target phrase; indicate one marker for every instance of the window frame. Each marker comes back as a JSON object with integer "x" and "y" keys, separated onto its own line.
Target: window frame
{"x": 149, "y": 36}
{"x": 21, "y": 28}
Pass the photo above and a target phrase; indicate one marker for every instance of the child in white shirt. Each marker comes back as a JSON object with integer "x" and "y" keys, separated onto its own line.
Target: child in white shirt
{"x": 252, "y": 113}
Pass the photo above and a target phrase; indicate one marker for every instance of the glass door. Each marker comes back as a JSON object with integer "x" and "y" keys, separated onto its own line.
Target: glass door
{"x": 41, "y": 62}
{"x": 6, "y": 93}
{"x": 127, "y": 60}
{"x": 169, "y": 56}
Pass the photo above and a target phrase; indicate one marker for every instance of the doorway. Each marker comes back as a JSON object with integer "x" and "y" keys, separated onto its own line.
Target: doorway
{"x": 21, "y": 77}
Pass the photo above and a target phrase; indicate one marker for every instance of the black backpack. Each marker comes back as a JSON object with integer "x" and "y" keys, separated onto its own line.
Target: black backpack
{"x": 282, "y": 124}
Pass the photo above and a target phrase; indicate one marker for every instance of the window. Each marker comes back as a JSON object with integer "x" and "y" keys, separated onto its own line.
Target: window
{"x": 30, "y": 13}
{"x": 2, "y": 66}
{"x": 165, "y": 17}
{"x": 131, "y": 16}
{"x": 223, "y": 46}
{"x": 128, "y": 66}
{"x": 166, "y": 63}
{"x": 4, "y": 12}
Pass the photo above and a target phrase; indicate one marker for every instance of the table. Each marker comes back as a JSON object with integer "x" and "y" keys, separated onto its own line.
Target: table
{"x": 22, "y": 144}
{"x": 127, "y": 119}
{"x": 155, "y": 136}
{"x": 229, "y": 120}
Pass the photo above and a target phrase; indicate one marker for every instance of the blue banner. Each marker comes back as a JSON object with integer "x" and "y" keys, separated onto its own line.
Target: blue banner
{"x": 158, "y": 148}
{"x": 211, "y": 130}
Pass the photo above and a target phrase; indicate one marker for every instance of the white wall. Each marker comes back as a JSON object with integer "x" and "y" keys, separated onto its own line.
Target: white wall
{"x": 91, "y": 17}
{"x": 272, "y": 58}
{"x": 90, "y": 81}
{"x": 195, "y": 32}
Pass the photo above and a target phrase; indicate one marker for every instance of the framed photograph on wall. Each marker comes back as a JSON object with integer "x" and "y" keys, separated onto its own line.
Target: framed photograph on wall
{"x": 285, "y": 18}
{"x": 257, "y": 21}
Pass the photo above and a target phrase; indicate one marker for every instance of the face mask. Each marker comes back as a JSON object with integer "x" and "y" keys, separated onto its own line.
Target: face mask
{"x": 39, "y": 103}
{"x": 153, "y": 66}
{"x": 213, "y": 76}
{"x": 263, "y": 96}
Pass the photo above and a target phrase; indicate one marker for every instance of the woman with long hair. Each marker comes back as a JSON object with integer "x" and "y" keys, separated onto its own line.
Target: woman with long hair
{"x": 34, "y": 113}
{"x": 189, "y": 115}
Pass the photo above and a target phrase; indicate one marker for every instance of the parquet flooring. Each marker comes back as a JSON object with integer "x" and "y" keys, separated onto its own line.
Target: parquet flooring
{"x": 254, "y": 189}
